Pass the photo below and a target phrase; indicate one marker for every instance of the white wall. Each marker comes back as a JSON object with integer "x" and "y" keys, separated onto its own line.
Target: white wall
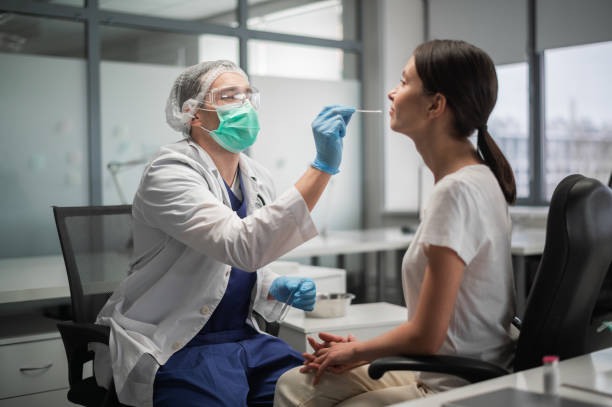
{"x": 286, "y": 145}
{"x": 134, "y": 127}
{"x": 563, "y": 23}
{"x": 484, "y": 23}
{"x": 402, "y": 31}
{"x": 133, "y": 100}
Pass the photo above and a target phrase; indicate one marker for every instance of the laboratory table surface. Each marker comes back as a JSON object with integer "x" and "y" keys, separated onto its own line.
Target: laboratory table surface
{"x": 44, "y": 277}
{"x": 525, "y": 242}
{"x": 592, "y": 371}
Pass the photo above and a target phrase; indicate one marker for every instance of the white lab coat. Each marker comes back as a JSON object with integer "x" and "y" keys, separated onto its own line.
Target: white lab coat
{"x": 186, "y": 239}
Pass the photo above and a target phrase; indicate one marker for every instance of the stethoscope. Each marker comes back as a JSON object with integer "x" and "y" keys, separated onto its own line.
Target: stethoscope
{"x": 260, "y": 201}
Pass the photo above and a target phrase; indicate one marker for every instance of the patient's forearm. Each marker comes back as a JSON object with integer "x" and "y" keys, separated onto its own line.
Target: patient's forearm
{"x": 402, "y": 340}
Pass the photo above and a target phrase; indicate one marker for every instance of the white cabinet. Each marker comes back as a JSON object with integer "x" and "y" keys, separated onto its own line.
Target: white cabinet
{"x": 32, "y": 367}
{"x": 55, "y": 398}
{"x": 364, "y": 321}
{"x": 327, "y": 279}
{"x": 33, "y": 364}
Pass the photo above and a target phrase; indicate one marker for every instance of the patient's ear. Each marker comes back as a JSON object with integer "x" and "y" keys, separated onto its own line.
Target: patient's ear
{"x": 437, "y": 105}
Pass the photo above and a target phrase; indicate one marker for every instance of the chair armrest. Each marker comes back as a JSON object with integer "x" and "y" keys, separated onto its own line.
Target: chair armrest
{"x": 472, "y": 370}
{"x": 270, "y": 327}
{"x": 76, "y": 336}
{"x": 516, "y": 321}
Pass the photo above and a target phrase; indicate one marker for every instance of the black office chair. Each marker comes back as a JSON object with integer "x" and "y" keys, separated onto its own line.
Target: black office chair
{"x": 603, "y": 306}
{"x": 561, "y": 317}
{"x": 97, "y": 247}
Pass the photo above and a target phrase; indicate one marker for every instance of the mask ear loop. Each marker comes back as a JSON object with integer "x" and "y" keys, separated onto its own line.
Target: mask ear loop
{"x": 207, "y": 110}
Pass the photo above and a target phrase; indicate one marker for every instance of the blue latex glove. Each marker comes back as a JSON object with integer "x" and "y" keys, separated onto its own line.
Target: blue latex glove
{"x": 304, "y": 295}
{"x": 328, "y": 128}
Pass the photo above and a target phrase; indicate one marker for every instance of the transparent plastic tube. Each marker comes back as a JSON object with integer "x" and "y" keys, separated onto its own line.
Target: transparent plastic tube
{"x": 285, "y": 309}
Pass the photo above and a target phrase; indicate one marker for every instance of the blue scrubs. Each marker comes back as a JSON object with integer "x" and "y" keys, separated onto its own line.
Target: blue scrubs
{"x": 228, "y": 363}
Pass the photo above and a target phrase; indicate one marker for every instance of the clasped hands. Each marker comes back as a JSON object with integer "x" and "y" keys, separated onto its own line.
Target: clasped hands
{"x": 334, "y": 353}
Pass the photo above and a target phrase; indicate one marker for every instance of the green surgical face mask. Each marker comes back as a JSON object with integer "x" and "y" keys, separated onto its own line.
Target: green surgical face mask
{"x": 238, "y": 127}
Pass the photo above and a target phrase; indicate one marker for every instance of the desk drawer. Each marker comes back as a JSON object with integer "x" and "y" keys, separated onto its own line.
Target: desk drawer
{"x": 55, "y": 398}
{"x": 32, "y": 367}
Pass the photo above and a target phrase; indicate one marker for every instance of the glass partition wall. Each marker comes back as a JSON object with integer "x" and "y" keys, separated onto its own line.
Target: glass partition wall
{"x": 84, "y": 87}
{"x": 43, "y": 117}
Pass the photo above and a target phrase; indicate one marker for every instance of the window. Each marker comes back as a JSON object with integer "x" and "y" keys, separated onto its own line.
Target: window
{"x": 285, "y": 145}
{"x": 578, "y": 130}
{"x": 74, "y": 3}
{"x": 43, "y": 118}
{"x": 78, "y": 126}
{"x": 136, "y": 74}
{"x": 509, "y": 123}
{"x": 333, "y": 19}
{"x": 217, "y": 12}
{"x": 295, "y": 60}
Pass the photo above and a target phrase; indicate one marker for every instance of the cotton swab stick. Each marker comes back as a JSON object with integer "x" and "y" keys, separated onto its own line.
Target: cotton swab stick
{"x": 368, "y": 111}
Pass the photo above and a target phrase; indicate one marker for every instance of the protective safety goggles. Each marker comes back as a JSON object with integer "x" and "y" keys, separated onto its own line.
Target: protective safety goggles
{"x": 233, "y": 95}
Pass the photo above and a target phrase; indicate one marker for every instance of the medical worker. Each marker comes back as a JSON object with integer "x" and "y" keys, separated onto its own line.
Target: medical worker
{"x": 457, "y": 273}
{"x": 206, "y": 223}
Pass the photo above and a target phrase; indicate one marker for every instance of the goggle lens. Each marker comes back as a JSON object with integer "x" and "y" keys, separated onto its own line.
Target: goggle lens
{"x": 234, "y": 95}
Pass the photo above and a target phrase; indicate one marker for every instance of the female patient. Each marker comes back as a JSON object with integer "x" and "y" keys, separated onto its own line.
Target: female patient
{"x": 457, "y": 273}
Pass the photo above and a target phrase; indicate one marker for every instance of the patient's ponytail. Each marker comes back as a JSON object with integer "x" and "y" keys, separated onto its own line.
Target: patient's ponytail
{"x": 466, "y": 76}
{"x": 495, "y": 159}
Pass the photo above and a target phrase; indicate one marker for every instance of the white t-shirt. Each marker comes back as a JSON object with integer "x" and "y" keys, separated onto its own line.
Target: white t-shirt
{"x": 467, "y": 212}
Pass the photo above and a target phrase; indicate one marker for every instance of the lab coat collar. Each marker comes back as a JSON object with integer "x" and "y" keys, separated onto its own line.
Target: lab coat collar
{"x": 203, "y": 154}
{"x": 208, "y": 163}
{"x": 250, "y": 182}
{"x": 252, "y": 186}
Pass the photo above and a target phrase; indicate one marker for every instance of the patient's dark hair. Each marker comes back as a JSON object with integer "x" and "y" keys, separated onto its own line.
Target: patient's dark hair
{"x": 466, "y": 76}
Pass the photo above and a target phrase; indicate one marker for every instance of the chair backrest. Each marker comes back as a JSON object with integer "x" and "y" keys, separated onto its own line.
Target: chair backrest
{"x": 97, "y": 246}
{"x": 603, "y": 307}
{"x": 577, "y": 254}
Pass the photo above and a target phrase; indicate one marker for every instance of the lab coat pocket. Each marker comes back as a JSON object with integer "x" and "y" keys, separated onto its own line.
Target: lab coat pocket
{"x": 128, "y": 324}
{"x": 146, "y": 257}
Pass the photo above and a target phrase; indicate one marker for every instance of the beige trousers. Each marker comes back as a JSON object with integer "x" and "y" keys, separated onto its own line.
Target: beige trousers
{"x": 350, "y": 389}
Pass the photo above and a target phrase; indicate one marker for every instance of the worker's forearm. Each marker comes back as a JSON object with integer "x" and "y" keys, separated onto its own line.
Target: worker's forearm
{"x": 311, "y": 185}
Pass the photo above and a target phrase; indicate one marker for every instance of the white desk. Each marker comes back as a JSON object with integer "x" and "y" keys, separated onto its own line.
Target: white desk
{"x": 528, "y": 241}
{"x": 340, "y": 243}
{"x": 525, "y": 242}
{"x": 38, "y": 278}
{"x": 365, "y": 321}
{"x": 33, "y": 278}
{"x": 353, "y": 241}
{"x": 587, "y": 366}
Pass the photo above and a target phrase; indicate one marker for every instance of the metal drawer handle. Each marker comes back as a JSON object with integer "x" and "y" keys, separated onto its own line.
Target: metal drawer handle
{"x": 35, "y": 369}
